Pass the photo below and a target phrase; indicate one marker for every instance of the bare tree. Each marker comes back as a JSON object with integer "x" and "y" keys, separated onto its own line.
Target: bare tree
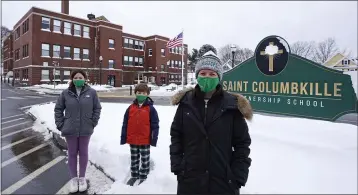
{"x": 325, "y": 50}
{"x": 241, "y": 54}
{"x": 304, "y": 49}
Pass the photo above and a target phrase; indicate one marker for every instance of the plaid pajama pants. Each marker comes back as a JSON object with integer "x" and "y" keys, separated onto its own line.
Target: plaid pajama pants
{"x": 140, "y": 155}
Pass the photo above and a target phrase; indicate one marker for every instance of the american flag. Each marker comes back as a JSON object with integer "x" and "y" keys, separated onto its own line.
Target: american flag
{"x": 177, "y": 41}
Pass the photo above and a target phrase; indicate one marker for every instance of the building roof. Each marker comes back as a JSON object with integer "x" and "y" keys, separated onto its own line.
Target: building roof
{"x": 102, "y": 18}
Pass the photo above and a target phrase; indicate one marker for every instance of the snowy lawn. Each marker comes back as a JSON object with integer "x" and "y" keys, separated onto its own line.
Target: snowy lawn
{"x": 167, "y": 90}
{"x": 290, "y": 155}
{"x": 51, "y": 89}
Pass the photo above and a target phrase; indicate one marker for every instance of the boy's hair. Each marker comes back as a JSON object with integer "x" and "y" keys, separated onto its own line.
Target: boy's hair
{"x": 142, "y": 87}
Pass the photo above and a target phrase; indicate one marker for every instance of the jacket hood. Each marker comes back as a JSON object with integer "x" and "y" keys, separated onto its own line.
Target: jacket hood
{"x": 243, "y": 104}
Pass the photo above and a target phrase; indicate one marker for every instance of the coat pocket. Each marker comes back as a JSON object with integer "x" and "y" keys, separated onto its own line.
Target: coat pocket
{"x": 231, "y": 179}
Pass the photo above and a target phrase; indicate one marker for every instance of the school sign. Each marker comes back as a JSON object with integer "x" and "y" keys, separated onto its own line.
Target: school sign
{"x": 276, "y": 81}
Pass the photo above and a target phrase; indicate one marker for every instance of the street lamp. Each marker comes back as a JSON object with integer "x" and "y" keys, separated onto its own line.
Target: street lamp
{"x": 100, "y": 69}
{"x": 233, "y": 50}
{"x": 55, "y": 64}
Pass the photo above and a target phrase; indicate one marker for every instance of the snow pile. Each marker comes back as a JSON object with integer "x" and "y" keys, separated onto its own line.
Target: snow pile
{"x": 354, "y": 78}
{"x": 290, "y": 155}
{"x": 65, "y": 86}
{"x": 169, "y": 90}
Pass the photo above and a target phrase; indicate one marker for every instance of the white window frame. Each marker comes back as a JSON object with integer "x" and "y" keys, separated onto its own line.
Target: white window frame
{"x": 86, "y": 31}
{"x": 162, "y": 51}
{"x": 57, "y": 26}
{"x": 130, "y": 60}
{"x": 66, "y": 73}
{"x": 67, "y": 30}
{"x": 84, "y": 53}
{"x": 45, "y": 73}
{"x": 77, "y": 30}
{"x": 109, "y": 63}
{"x": 141, "y": 61}
{"x": 109, "y": 43}
{"x": 150, "y": 52}
{"x": 141, "y": 45}
{"x": 76, "y": 54}
{"x": 56, "y": 49}
{"x": 64, "y": 52}
{"x": 125, "y": 60}
{"x": 45, "y": 19}
{"x": 42, "y": 49}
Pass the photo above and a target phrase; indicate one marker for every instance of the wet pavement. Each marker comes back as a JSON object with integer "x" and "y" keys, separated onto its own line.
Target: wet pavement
{"x": 30, "y": 163}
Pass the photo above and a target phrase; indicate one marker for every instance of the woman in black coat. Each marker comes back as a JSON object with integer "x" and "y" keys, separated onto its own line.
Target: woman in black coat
{"x": 209, "y": 149}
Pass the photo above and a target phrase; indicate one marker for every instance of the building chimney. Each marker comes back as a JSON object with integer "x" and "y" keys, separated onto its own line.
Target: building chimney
{"x": 65, "y": 7}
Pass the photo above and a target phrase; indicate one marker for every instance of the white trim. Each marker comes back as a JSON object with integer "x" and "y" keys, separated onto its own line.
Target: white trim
{"x": 58, "y": 32}
{"x": 109, "y": 27}
{"x": 77, "y": 36}
{"x": 333, "y": 57}
{"x": 61, "y": 67}
{"x": 45, "y": 57}
{"x": 133, "y": 38}
{"x": 344, "y": 58}
{"x": 87, "y": 60}
{"x": 46, "y": 30}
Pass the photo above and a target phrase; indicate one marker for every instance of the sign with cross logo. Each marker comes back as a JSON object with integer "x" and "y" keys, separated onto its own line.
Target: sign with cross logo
{"x": 278, "y": 82}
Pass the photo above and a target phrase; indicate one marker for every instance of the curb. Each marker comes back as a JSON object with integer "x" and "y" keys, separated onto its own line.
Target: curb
{"x": 61, "y": 144}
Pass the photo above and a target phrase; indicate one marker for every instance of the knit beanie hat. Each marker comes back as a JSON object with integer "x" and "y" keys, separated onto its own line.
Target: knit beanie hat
{"x": 209, "y": 61}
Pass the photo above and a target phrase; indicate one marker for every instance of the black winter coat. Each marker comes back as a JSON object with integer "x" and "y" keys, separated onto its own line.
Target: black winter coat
{"x": 209, "y": 149}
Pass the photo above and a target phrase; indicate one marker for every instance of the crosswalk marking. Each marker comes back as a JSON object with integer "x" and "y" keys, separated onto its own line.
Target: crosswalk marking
{"x": 8, "y": 127}
{"x": 31, "y": 176}
{"x": 15, "y": 158}
{"x": 17, "y": 142}
{"x": 12, "y": 120}
{"x": 12, "y": 116}
{"x": 15, "y": 132}
{"x": 16, "y": 98}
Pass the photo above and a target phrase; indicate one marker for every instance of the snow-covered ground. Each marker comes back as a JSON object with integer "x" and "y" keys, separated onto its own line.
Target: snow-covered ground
{"x": 57, "y": 89}
{"x": 289, "y": 155}
{"x": 168, "y": 90}
{"x": 354, "y": 78}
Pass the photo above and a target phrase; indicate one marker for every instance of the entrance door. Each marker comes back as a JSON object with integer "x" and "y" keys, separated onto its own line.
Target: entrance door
{"x": 111, "y": 80}
{"x": 162, "y": 80}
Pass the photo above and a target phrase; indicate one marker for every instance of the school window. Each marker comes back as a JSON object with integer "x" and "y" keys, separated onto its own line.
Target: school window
{"x": 56, "y": 51}
{"x": 176, "y": 64}
{"x": 45, "y": 23}
{"x": 56, "y": 26}
{"x": 141, "y": 61}
{"x": 76, "y": 53}
{"x": 85, "y": 55}
{"x": 131, "y": 45}
{"x": 163, "y": 52}
{"x": 126, "y": 43}
{"x": 141, "y": 45}
{"x": 77, "y": 30}
{"x": 179, "y": 64}
{"x": 45, "y": 74}
{"x": 86, "y": 32}
{"x": 44, "y": 63}
{"x": 66, "y": 75}
{"x": 67, "y": 28}
{"x": 125, "y": 60}
{"x": 168, "y": 63}
{"x": 111, "y": 43}
{"x": 67, "y": 52}
{"x": 162, "y": 67}
{"x": 17, "y": 54}
{"x": 130, "y": 60}
{"x": 25, "y": 26}
{"x": 136, "y": 45}
{"x": 172, "y": 63}
{"x": 110, "y": 63}
{"x": 25, "y": 50}
{"x": 17, "y": 33}
{"x": 136, "y": 61}
{"x": 150, "y": 52}
{"x": 45, "y": 50}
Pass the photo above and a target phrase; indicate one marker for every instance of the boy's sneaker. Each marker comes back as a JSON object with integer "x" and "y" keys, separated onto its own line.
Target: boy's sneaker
{"x": 141, "y": 181}
{"x": 73, "y": 187}
{"x": 82, "y": 184}
{"x": 131, "y": 181}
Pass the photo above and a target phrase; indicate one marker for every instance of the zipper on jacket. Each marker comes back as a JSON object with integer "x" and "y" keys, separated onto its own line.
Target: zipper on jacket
{"x": 206, "y": 106}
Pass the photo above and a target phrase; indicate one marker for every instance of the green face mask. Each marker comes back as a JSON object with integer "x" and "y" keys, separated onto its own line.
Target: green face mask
{"x": 78, "y": 83}
{"x": 207, "y": 84}
{"x": 141, "y": 98}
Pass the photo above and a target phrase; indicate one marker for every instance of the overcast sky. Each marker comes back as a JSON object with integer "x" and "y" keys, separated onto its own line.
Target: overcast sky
{"x": 217, "y": 23}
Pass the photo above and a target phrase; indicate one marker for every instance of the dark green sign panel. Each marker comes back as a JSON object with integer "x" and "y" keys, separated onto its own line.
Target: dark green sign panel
{"x": 276, "y": 81}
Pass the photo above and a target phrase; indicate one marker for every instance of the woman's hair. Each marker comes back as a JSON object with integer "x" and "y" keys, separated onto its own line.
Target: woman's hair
{"x": 74, "y": 73}
{"x": 78, "y": 71}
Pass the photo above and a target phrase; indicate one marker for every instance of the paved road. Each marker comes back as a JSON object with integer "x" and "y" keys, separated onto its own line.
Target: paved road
{"x": 29, "y": 163}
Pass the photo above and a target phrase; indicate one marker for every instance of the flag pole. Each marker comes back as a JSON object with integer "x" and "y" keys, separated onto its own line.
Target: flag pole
{"x": 182, "y": 61}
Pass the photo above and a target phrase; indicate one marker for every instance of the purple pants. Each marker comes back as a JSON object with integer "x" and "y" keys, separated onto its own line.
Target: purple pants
{"x": 77, "y": 145}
